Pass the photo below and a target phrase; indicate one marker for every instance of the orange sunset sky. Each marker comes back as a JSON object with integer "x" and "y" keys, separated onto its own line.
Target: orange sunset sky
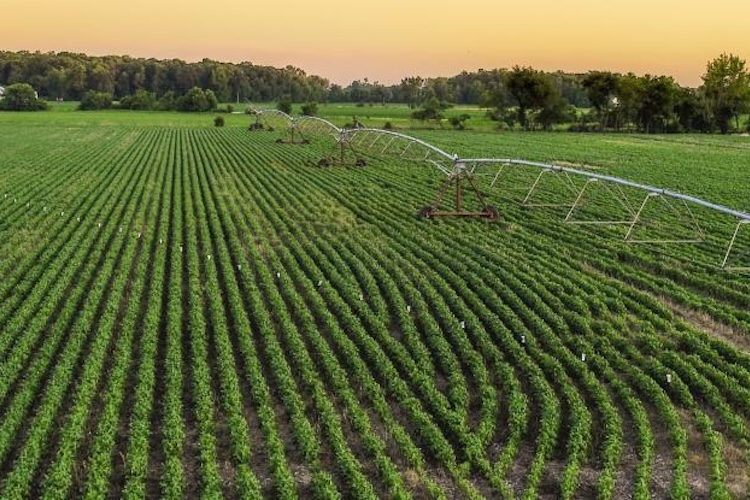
{"x": 386, "y": 40}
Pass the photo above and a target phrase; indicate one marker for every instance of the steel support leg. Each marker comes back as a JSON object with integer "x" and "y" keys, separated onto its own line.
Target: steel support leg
{"x": 638, "y": 214}
{"x": 578, "y": 198}
{"x": 731, "y": 242}
{"x": 533, "y": 187}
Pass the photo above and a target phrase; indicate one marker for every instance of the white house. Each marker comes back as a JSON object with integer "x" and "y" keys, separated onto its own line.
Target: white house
{"x": 2, "y": 91}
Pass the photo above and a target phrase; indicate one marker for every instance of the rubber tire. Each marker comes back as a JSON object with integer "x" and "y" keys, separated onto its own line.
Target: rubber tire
{"x": 493, "y": 213}
{"x": 426, "y": 212}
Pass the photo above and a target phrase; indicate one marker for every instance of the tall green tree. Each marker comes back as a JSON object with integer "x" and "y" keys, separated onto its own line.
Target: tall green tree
{"x": 431, "y": 109}
{"x": 533, "y": 91}
{"x": 657, "y": 103}
{"x": 21, "y": 97}
{"x": 601, "y": 89}
{"x": 410, "y": 90}
{"x": 285, "y": 104}
{"x": 629, "y": 93}
{"x": 726, "y": 85}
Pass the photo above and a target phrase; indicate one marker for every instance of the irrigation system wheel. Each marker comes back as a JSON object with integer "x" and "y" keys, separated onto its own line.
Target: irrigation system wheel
{"x": 426, "y": 212}
{"x": 490, "y": 212}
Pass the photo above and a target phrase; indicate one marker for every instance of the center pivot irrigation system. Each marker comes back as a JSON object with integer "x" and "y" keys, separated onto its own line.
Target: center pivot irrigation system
{"x": 351, "y": 145}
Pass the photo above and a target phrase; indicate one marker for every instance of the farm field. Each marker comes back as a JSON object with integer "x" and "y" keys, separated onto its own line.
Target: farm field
{"x": 195, "y": 311}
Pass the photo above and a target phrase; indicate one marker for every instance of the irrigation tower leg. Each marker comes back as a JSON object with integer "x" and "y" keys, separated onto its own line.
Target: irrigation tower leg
{"x": 638, "y": 214}
{"x": 731, "y": 242}
{"x": 499, "y": 171}
{"x": 533, "y": 187}
{"x": 578, "y": 198}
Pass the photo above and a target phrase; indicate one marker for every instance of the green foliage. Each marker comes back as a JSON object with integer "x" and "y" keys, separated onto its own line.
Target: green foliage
{"x": 459, "y": 122}
{"x": 323, "y": 487}
{"x": 142, "y": 100}
{"x": 310, "y": 109}
{"x": 601, "y": 90}
{"x": 535, "y": 92}
{"x": 197, "y": 100}
{"x": 506, "y": 116}
{"x": 411, "y": 90}
{"x": 21, "y": 97}
{"x": 399, "y": 352}
{"x": 168, "y": 102}
{"x": 94, "y": 100}
{"x": 726, "y": 85}
{"x": 431, "y": 109}
{"x": 285, "y": 104}
{"x": 657, "y": 103}
{"x": 70, "y": 75}
{"x": 219, "y": 121}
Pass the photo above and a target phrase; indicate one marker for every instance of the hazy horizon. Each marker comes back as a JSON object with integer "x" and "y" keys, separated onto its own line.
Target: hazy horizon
{"x": 390, "y": 40}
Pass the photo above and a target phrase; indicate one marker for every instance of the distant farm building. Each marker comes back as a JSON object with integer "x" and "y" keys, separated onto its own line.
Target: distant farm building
{"x": 2, "y": 91}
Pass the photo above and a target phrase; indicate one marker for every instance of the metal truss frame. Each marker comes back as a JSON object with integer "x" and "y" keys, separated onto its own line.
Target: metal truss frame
{"x": 460, "y": 172}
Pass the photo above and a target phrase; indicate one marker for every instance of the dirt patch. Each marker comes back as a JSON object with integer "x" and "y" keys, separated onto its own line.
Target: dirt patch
{"x": 704, "y": 322}
{"x": 302, "y": 474}
{"x": 577, "y": 165}
{"x": 698, "y": 470}
{"x": 737, "y": 479}
{"x": 737, "y": 337}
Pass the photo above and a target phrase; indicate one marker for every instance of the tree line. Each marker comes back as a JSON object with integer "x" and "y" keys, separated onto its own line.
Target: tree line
{"x": 69, "y": 76}
{"x": 518, "y": 97}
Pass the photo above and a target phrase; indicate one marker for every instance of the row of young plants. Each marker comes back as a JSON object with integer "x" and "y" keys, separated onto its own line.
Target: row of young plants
{"x": 457, "y": 325}
{"x": 22, "y": 331}
{"x": 132, "y": 370}
{"x": 36, "y": 268}
{"x": 86, "y": 333}
{"x": 662, "y": 324}
{"x": 368, "y": 350}
{"x": 325, "y": 356}
{"x": 462, "y": 291}
{"x": 664, "y": 327}
{"x": 113, "y": 338}
{"x": 213, "y": 253}
{"x": 172, "y": 481}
